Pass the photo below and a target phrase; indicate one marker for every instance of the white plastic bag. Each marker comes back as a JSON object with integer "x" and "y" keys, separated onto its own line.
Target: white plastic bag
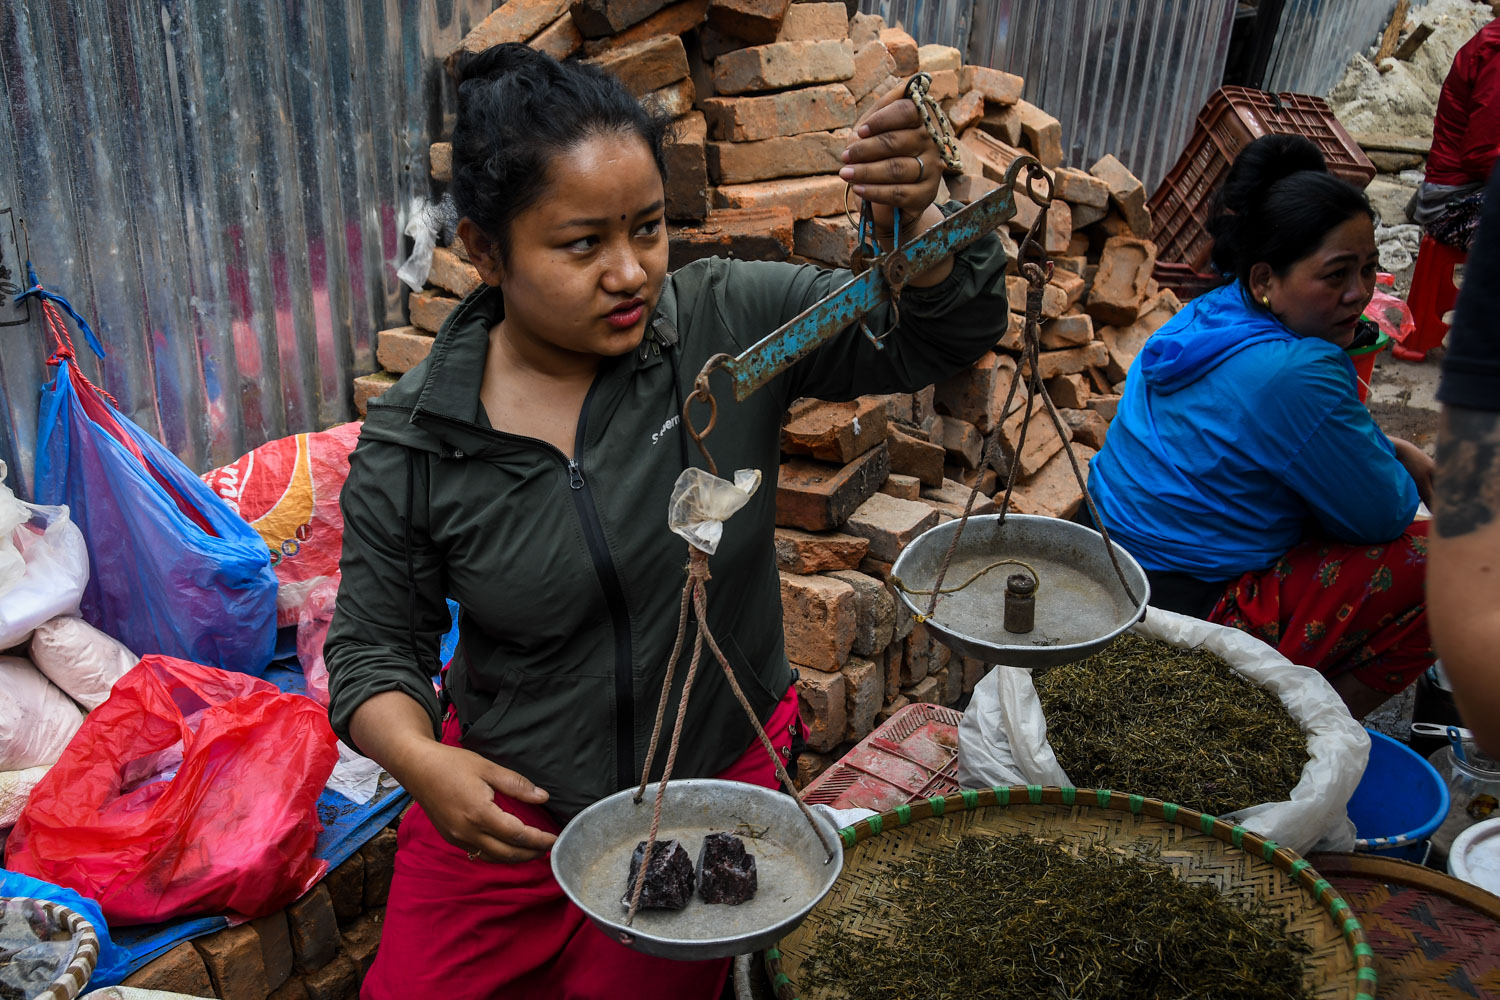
{"x": 1002, "y": 739}
{"x": 423, "y": 233}
{"x": 15, "y": 788}
{"x": 80, "y": 659}
{"x": 54, "y": 560}
{"x": 702, "y": 502}
{"x": 36, "y": 719}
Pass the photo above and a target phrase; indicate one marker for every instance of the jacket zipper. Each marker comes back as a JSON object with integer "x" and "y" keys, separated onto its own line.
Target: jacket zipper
{"x": 614, "y": 597}
{"x": 609, "y": 581}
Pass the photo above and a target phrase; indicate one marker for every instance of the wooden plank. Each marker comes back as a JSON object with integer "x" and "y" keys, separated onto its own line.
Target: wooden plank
{"x": 1413, "y": 42}
{"x": 1393, "y": 143}
{"x": 1392, "y": 32}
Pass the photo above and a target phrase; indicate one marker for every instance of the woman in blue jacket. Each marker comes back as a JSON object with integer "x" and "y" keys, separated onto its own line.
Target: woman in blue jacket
{"x": 1244, "y": 472}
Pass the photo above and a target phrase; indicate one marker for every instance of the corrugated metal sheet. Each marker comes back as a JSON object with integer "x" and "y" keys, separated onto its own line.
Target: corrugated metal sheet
{"x": 1317, "y": 37}
{"x": 223, "y": 186}
{"x": 1122, "y": 76}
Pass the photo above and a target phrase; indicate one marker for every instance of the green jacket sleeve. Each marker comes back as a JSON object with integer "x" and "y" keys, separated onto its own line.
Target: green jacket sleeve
{"x": 942, "y": 329}
{"x": 392, "y": 609}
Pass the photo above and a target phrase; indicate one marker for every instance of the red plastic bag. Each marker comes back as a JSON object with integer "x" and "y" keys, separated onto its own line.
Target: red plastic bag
{"x": 312, "y": 631}
{"x": 288, "y": 490}
{"x": 1390, "y": 313}
{"x": 191, "y": 791}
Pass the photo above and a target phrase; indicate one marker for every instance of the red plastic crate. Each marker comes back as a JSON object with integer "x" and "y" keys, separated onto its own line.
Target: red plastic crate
{"x": 1187, "y": 283}
{"x": 1232, "y": 119}
{"x": 912, "y": 755}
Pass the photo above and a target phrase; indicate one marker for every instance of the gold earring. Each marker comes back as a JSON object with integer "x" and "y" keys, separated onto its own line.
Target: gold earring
{"x": 1265, "y": 300}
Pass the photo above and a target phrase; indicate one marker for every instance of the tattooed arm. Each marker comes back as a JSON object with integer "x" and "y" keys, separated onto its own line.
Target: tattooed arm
{"x": 1463, "y": 568}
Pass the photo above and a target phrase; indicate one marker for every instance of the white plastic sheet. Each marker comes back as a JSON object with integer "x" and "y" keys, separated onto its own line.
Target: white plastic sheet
{"x": 80, "y": 659}
{"x": 702, "y": 502}
{"x": 15, "y": 788}
{"x": 423, "y": 232}
{"x": 1003, "y": 737}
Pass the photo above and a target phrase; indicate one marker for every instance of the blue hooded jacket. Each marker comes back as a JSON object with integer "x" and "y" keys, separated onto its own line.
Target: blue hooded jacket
{"x": 1233, "y": 431}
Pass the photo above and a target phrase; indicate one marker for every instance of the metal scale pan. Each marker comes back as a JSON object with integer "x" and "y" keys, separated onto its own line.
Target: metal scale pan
{"x": 591, "y": 861}
{"x": 1080, "y": 605}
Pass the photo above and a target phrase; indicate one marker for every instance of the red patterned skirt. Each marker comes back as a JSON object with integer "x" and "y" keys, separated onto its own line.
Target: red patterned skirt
{"x": 1341, "y": 608}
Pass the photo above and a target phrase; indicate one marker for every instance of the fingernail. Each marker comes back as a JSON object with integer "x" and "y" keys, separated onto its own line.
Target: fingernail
{"x": 859, "y": 190}
{"x": 864, "y": 132}
{"x": 845, "y": 155}
{"x": 847, "y": 173}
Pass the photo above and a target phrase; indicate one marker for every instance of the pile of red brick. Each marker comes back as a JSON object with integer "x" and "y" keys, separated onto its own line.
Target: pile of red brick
{"x": 765, "y": 94}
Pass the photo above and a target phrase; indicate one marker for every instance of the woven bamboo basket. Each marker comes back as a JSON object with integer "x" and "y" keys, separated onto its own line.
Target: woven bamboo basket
{"x": 70, "y": 981}
{"x": 1199, "y": 847}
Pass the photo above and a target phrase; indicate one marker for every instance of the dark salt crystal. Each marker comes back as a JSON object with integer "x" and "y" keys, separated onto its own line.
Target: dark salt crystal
{"x": 726, "y": 871}
{"x": 669, "y": 877}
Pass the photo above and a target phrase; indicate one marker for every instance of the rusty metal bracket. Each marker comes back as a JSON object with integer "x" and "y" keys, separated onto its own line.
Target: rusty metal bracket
{"x": 876, "y": 287}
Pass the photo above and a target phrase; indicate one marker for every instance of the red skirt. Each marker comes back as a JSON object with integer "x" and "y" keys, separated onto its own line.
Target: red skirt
{"x": 1341, "y": 608}
{"x": 458, "y": 929}
{"x": 1433, "y": 293}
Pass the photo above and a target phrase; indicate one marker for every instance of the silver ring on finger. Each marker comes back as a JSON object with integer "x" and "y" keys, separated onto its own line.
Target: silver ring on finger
{"x": 921, "y": 169}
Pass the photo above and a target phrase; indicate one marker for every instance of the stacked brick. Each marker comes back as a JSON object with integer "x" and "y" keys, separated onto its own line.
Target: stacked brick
{"x": 764, "y": 95}
{"x": 318, "y": 948}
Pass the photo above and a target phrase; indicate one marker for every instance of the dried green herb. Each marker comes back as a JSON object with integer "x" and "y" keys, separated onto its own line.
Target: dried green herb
{"x": 1179, "y": 725}
{"x": 995, "y": 918}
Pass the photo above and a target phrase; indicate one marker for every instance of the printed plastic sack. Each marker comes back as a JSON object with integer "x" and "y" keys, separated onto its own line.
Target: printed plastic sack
{"x": 175, "y": 571}
{"x": 113, "y": 964}
{"x": 191, "y": 791}
{"x": 36, "y": 719}
{"x": 288, "y": 491}
{"x": 44, "y": 565}
{"x": 80, "y": 659}
{"x": 312, "y": 631}
{"x": 1002, "y": 739}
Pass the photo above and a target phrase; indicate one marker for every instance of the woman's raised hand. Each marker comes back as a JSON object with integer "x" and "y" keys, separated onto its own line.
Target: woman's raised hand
{"x": 894, "y": 162}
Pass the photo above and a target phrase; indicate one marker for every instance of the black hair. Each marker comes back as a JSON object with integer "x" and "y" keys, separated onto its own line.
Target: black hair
{"x": 1276, "y": 206}
{"x": 517, "y": 109}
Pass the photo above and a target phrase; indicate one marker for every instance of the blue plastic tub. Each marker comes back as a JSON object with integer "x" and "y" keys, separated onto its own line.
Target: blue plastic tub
{"x": 1400, "y": 801}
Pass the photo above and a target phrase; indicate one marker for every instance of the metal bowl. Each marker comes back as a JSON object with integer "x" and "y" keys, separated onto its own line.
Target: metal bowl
{"x": 1080, "y": 605}
{"x": 591, "y": 861}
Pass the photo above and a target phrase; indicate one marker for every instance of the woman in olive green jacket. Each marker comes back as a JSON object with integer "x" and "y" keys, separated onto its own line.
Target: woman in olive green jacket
{"x": 524, "y": 469}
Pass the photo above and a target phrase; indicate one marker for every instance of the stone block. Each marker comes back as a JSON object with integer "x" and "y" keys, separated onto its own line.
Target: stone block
{"x": 362, "y": 940}
{"x": 742, "y": 234}
{"x": 874, "y": 612}
{"x": 514, "y": 21}
{"x": 180, "y": 970}
{"x": 960, "y": 439}
{"x": 346, "y": 887}
{"x": 821, "y": 709}
{"x": 818, "y": 618}
{"x": 1119, "y": 287}
{"x": 428, "y": 310}
{"x": 995, "y": 86}
{"x": 972, "y": 671}
{"x": 810, "y": 767}
{"x": 924, "y": 692}
{"x": 674, "y": 100}
{"x": 903, "y": 49}
{"x": 380, "y": 864}
{"x": 809, "y": 109}
{"x": 292, "y": 989}
{"x": 779, "y": 156}
{"x": 755, "y": 21}
{"x": 1002, "y": 122}
{"x": 806, "y": 197}
{"x": 1127, "y": 193}
{"x": 1054, "y": 299}
{"x": 1081, "y": 188}
{"x": 816, "y": 496}
{"x": 1105, "y": 405}
{"x": 1042, "y": 442}
{"x": 1073, "y": 286}
{"x": 1073, "y": 330}
{"x": 673, "y": 19}
{"x": 368, "y": 387}
{"x": 830, "y": 239}
{"x": 781, "y": 65}
{"x": 873, "y": 64}
{"x": 313, "y": 928}
{"x": 560, "y": 39}
{"x": 1054, "y": 489}
{"x": 864, "y": 693}
{"x": 275, "y": 948}
{"x": 1068, "y": 392}
{"x": 647, "y": 65}
{"x": 814, "y": 22}
{"x": 804, "y": 552}
{"x": 834, "y": 432}
{"x": 440, "y": 161}
{"x": 1088, "y": 427}
{"x": 889, "y": 524}
{"x": 686, "y": 155}
{"x": 337, "y": 980}
{"x": 965, "y": 110}
{"x": 1076, "y": 359}
{"x": 865, "y": 28}
{"x": 453, "y": 273}
{"x": 954, "y": 496}
{"x": 969, "y": 188}
{"x": 977, "y": 394}
{"x": 403, "y": 348}
{"x": 916, "y": 659}
{"x": 914, "y": 457}
{"x": 936, "y": 58}
{"x": 597, "y": 18}
{"x": 233, "y": 960}
{"x": 902, "y": 487}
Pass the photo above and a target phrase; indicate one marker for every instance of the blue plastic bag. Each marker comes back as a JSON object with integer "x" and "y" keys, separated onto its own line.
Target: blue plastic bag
{"x": 114, "y": 962}
{"x": 173, "y": 569}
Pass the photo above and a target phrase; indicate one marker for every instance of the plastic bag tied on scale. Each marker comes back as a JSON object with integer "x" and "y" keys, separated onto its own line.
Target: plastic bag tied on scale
{"x": 701, "y": 503}
{"x": 191, "y": 791}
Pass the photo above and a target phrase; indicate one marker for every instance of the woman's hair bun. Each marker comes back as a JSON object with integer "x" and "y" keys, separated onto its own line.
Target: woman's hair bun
{"x": 1265, "y": 161}
{"x": 494, "y": 62}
